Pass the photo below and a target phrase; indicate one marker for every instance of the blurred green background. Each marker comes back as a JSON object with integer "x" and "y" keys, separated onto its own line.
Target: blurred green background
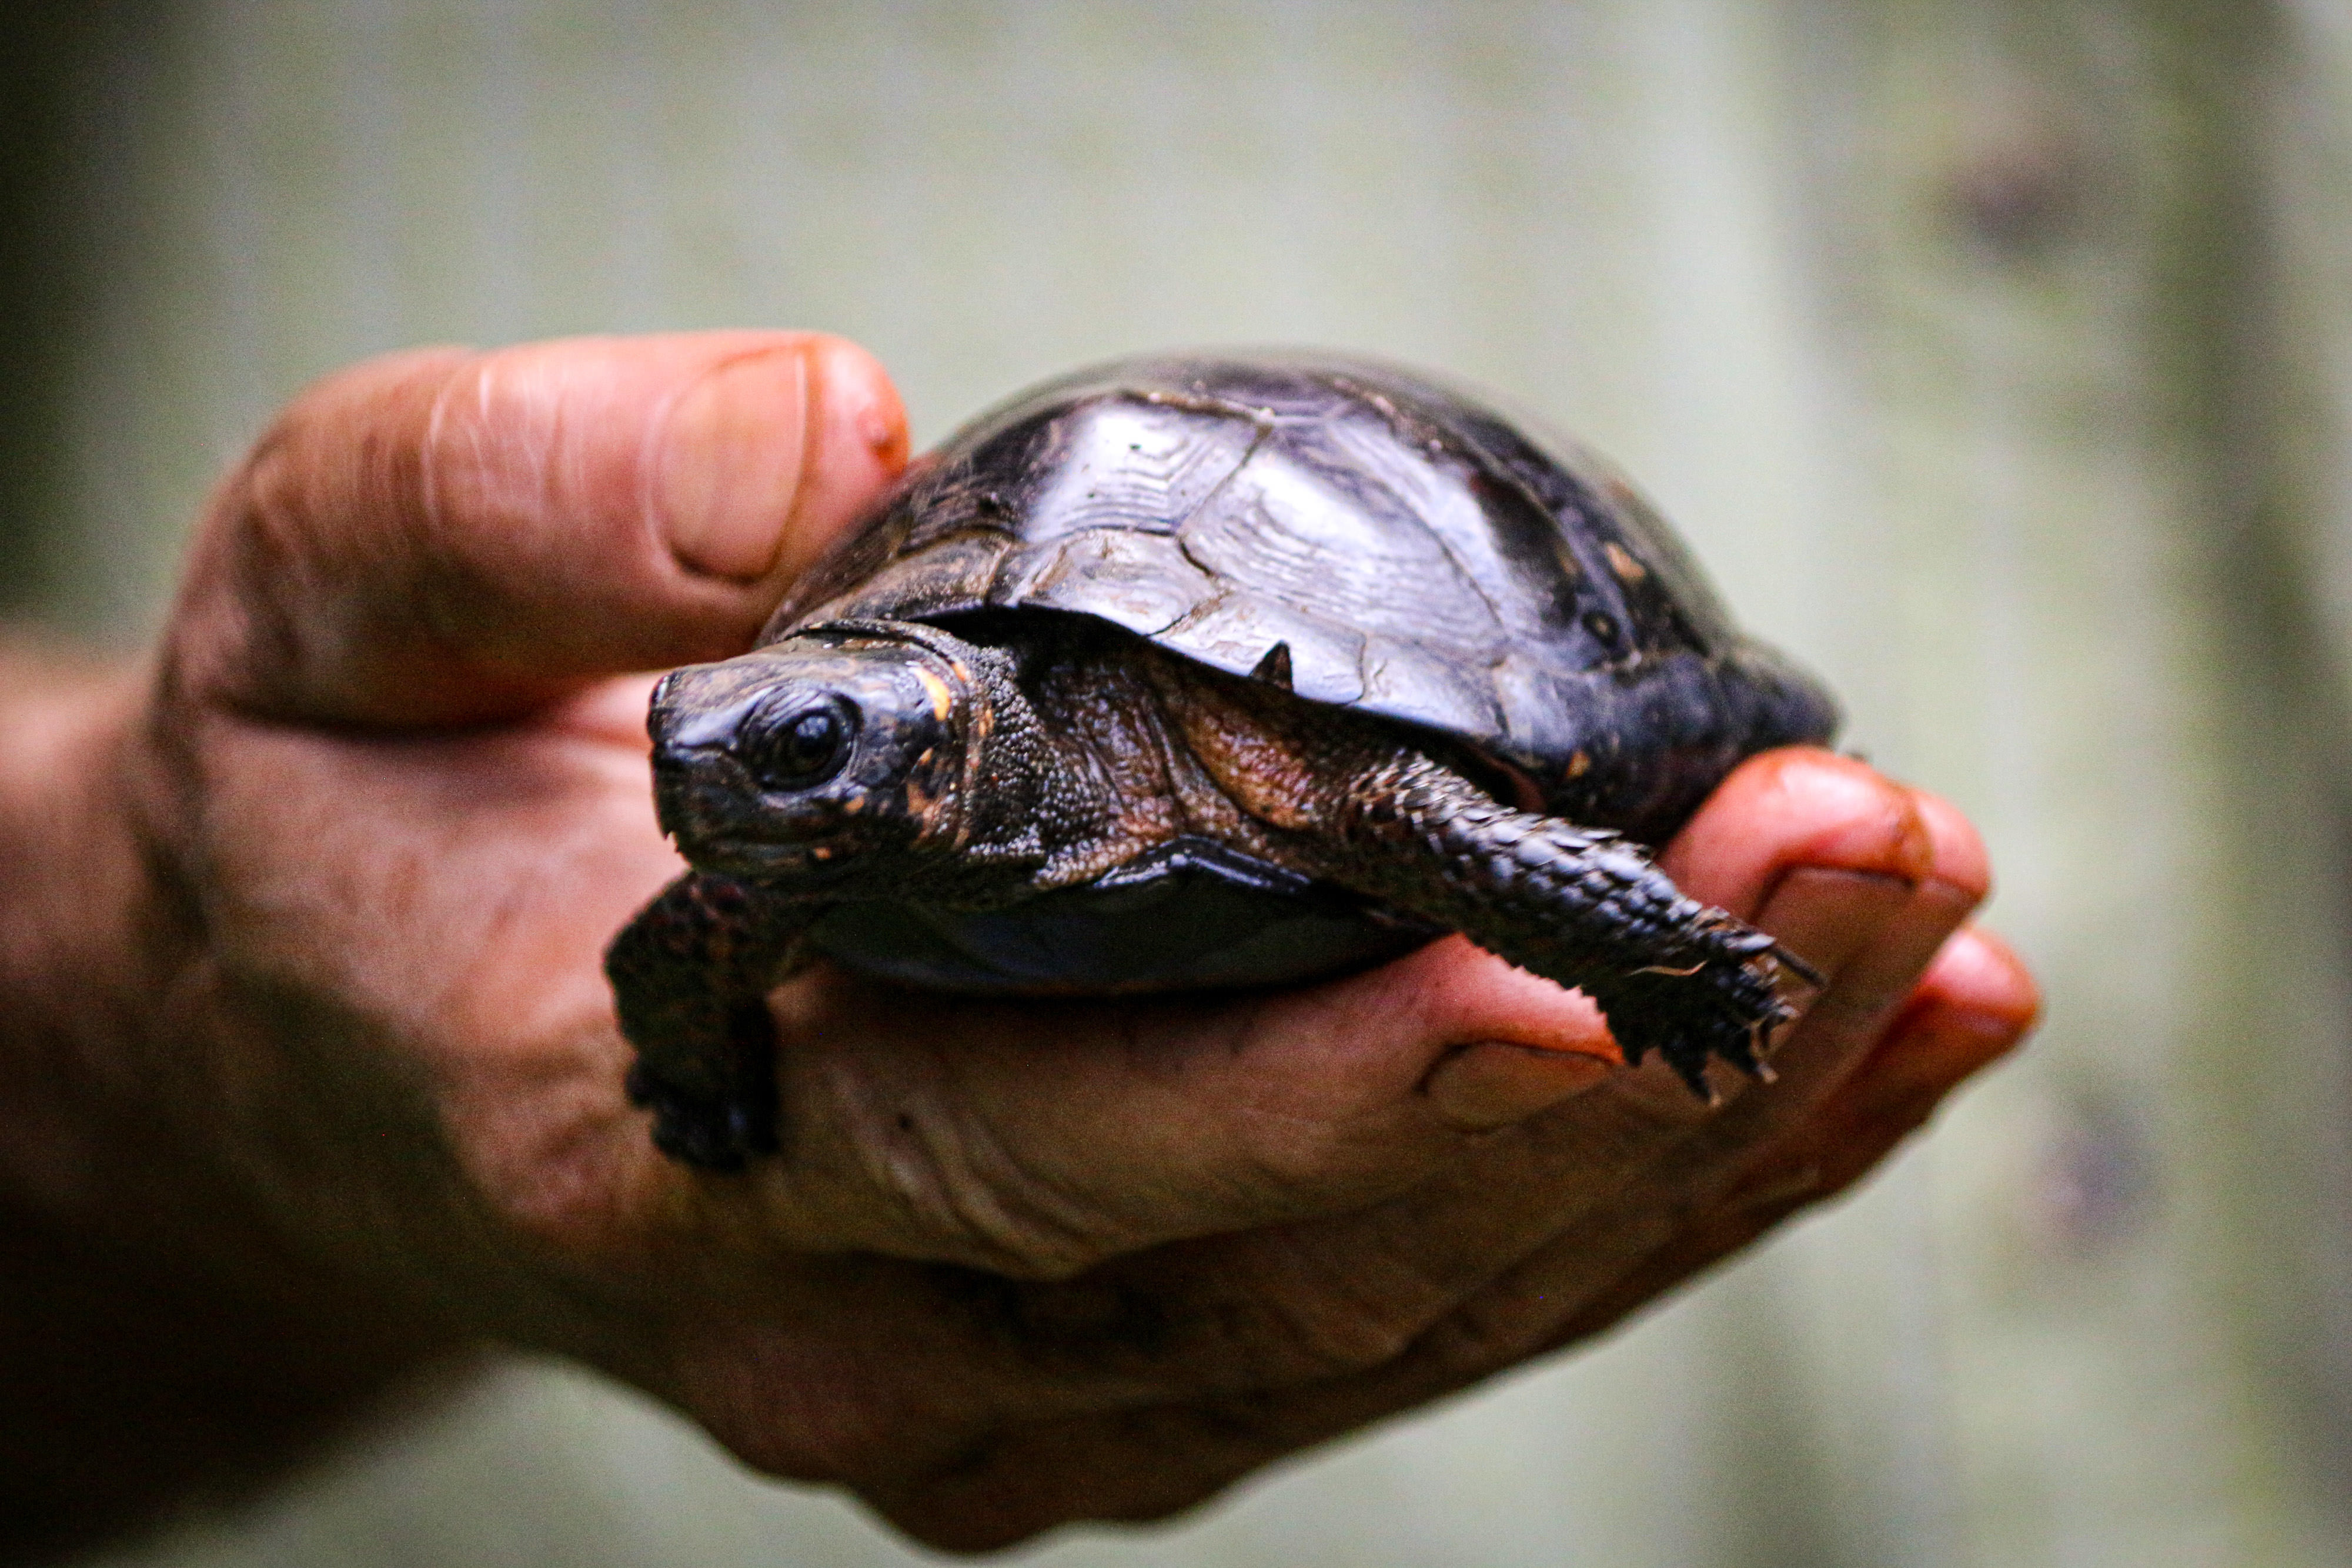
{"x": 1997, "y": 356}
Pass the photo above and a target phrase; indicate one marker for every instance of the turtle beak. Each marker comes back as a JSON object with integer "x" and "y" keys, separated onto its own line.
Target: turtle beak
{"x": 698, "y": 784}
{"x": 685, "y": 736}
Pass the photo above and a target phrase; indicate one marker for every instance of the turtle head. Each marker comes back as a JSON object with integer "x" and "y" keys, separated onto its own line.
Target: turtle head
{"x": 826, "y": 757}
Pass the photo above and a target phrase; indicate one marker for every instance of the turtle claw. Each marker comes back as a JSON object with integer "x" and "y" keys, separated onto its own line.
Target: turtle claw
{"x": 1796, "y": 965}
{"x": 1725, "y": 1011}
{"x": 715, "y": 1133}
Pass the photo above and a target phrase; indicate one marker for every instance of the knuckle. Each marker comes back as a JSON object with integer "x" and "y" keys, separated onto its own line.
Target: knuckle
{"x": 847, "y": 1442}
{"x": 969, "y": 1192}
{"x": 1327, "y": 1336}
{"x": 1133, "y": 1468}
{"x": 965, "y": 1523}
{"x": 1479, "y": 1337}
{"x": 795, "y": 1412}
{"x": 930, "y": 1177}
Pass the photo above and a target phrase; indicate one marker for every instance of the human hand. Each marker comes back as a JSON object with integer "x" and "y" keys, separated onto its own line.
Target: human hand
{"x": 1023, "y": 1263}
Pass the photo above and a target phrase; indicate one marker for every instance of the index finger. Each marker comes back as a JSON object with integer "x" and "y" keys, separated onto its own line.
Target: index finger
{"x": 445, "y": 538}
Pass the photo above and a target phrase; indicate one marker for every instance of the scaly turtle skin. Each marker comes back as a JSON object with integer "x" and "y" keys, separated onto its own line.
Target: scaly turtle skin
{"x": 1192, "y": 672}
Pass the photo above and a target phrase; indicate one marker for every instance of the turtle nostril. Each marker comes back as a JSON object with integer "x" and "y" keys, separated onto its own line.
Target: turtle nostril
{"x": 685, "y": 730}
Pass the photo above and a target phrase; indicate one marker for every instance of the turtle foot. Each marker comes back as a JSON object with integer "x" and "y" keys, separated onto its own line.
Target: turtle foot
{"x": 720, "y": 1133}
{"x": 1725, "y": 1004}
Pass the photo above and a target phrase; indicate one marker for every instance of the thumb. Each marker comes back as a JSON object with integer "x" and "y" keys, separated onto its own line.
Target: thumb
{"x": 444, "y": 538}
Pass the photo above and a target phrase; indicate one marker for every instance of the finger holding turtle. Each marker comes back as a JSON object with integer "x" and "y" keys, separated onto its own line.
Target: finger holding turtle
{"x": 1205, "y": 1360}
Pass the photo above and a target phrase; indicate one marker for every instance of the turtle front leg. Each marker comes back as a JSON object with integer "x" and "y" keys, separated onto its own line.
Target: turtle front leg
{"x": 691, "y": 975}
{"x": 1580, "y": 906}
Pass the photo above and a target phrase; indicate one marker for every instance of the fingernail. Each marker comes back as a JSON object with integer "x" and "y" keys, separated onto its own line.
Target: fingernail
{"x": 1825, "y": 914}
{"x": 1493, "y": 1084}
{"x": 729, "y": 464}
{"x": 857, "y": 444}
{"x": 881, "y": 422}
{"x": 1902, "y": 950}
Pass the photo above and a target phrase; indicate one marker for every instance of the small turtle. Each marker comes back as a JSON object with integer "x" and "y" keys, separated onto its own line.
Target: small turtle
{"x": 1209, "y": 672}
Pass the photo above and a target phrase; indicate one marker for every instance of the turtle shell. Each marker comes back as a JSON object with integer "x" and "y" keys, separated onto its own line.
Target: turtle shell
{"x": 1362, "y": 534}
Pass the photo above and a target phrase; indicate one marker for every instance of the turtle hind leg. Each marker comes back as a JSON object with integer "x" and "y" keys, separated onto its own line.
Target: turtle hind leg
{"x": 1577, "y": 905}
{"x": 690, "y": 978}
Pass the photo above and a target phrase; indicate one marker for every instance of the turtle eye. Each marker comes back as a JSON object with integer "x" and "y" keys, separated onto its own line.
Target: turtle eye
{"x": 799, "y": 748}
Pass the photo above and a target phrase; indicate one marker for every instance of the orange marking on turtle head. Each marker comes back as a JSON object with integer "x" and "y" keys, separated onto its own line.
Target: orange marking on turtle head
{"x": 942, "y": 699}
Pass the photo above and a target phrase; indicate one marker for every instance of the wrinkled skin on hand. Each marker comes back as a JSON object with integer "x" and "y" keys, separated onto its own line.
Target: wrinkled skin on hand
{"x": 323, "y": 1047}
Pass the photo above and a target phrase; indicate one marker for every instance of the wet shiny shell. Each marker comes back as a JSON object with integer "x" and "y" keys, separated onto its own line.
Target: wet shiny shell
{"x": 1362, "y": 536}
